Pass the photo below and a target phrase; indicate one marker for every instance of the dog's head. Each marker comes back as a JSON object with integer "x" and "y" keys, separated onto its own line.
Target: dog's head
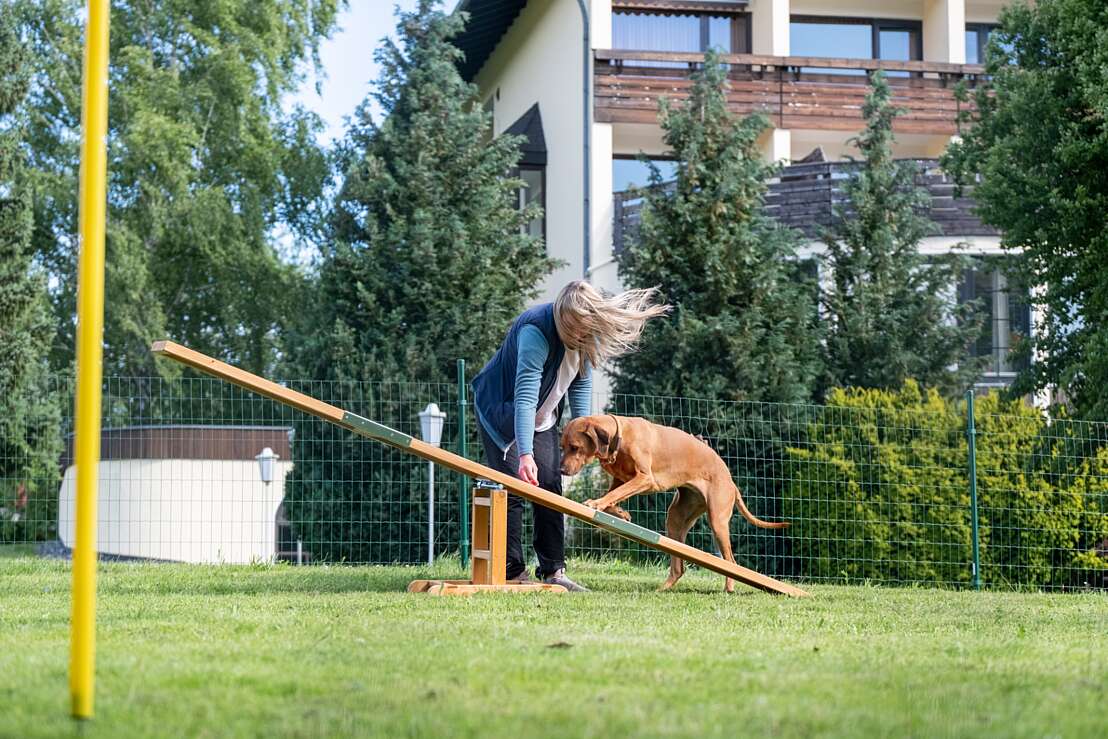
{"x": 583, "y": 440}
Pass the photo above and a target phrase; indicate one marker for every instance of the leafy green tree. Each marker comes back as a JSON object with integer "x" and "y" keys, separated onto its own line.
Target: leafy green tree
{"x": 744, "y": 325}
{"x": 428, "y": 262}
{"x": 1039, "y": 149}
{"x": 204, "y": 169}
{"x": 892, "y": 313}
{"x": 29, "y": 418}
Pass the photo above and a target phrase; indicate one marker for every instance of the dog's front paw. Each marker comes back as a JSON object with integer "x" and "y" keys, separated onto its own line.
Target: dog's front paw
{"x": 618, "y": 513}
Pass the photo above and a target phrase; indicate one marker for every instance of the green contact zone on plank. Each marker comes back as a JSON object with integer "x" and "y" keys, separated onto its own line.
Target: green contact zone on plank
{"x": 376, "y": 430}
{"x": 628, "y": 529}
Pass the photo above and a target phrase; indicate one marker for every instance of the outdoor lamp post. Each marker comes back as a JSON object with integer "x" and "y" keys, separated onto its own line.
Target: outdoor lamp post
{"x": 431, "y": 421}
{"x": 266, "y": 462}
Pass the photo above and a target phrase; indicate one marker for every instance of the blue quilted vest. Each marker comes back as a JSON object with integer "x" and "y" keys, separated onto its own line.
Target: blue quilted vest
{"x": 494, "y": 388}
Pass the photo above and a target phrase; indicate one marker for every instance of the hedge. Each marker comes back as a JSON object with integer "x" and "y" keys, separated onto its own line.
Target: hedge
{"x": 879, "y": 490}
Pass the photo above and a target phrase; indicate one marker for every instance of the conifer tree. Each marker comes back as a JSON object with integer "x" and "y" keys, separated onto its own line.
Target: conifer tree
{"x": 892, "y": 312}
{"x": 743, "y": 324}
{"x": 429, "y": 262}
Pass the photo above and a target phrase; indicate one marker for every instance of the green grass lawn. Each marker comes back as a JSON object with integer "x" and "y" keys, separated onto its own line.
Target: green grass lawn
{"x": 16, "y": 550}
{"x": 343, "y": 651}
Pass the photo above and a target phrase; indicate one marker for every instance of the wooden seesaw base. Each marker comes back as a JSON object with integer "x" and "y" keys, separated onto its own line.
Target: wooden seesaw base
{"x": 489, "y": 557}
{"x": 392, "y": 437}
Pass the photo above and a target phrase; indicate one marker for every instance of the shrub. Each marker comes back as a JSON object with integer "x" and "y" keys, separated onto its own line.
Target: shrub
{"x": 879, "y": 489}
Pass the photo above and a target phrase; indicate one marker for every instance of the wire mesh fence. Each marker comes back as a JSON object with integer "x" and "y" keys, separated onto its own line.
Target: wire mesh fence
{"x": 876, "y": 485}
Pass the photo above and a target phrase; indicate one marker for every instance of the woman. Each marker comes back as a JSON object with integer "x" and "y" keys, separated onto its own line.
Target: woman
{"x": 548, "y": 356}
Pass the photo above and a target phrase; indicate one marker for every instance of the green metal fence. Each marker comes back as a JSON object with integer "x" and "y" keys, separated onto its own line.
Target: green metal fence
{"x": 896, "y": 488}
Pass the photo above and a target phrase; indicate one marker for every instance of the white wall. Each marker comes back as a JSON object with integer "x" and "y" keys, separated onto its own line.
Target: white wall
{"x": 769, "y": 32}
{"x": 984, "y": 11}
{"x": 600, "y": 13}
{"x": 836, "y": 144}
{"x": 944, "y": 25}
{"x": 184, "y": 510}
{"x": 602, "y": 270}
{"x": 539, "y": 60}
{"x": 632, "y": 138}
{"x": 903, "y": 9}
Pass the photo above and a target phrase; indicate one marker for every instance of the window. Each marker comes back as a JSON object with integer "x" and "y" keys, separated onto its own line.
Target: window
{"x": 855, "y": 38}
{"x": 895, "y": 43}
{"x": 841, "y": 40}
{"x": 533, "y": 191}
{"x": 628, "y": 173}
{"x": 532, "y": 167}
{"x": 659, "y": 31}
{"x": 1007, "y": 315}
{"x": 977, "y": 36}
{"x": 489, "y": 107}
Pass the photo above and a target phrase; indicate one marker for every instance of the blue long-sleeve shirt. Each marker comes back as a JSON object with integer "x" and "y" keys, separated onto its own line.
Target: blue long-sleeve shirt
{"x": 531, "y": 353}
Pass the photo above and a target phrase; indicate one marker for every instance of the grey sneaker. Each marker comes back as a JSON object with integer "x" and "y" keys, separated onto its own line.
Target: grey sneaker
{"x": 558, "y": 577}
{"x": 522, "y": 577}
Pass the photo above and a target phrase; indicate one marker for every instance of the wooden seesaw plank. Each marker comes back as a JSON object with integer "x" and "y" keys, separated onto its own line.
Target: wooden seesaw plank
{"x": 392, "y": 437}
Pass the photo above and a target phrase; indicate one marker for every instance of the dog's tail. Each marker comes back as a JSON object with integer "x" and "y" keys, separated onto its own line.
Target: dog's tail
{"x": 754, "y": 519}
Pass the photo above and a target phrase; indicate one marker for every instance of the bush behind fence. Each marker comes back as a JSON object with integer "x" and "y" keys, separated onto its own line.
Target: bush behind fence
{"x": 875, "y": 484}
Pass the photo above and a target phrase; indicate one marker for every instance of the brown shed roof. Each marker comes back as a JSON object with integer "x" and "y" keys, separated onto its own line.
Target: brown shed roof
{"x": 188, "y": 442}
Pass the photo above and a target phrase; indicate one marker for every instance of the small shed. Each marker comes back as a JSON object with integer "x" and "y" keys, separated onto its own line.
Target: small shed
{"x": 184, "y": 493}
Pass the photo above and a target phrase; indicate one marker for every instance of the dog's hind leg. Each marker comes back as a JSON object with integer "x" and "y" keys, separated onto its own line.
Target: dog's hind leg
{"x": 720, "y": 521}
{"x": 684, "y": 509}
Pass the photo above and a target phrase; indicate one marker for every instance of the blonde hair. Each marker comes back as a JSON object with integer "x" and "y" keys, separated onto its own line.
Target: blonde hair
{"x": 602, "y": 327}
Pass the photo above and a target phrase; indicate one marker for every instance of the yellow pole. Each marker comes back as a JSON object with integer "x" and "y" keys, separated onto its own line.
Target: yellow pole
{"x": 90, "y": 338}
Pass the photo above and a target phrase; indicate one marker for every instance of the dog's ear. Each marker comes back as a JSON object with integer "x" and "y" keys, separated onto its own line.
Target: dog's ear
{"x": 604, "y": 441}
{"x": 600, "y": 440}
{"x": 590, "y": 434}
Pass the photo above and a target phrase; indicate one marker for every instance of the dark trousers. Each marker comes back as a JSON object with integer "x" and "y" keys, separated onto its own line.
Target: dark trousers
{"x": 550, "y": 527}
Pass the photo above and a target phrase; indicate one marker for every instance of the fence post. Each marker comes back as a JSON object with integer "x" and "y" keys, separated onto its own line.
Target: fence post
{"x": 463, "y": 481}
{"x": 971, "y": 440}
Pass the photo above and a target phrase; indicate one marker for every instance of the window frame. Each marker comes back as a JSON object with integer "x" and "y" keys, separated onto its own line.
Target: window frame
{"x": 877, "y": 25}
{"x": 999, "y": 363}
{"x": 982, "y": 31}
{"x": 635, "y": 157}
{"x": 517, "y": 172}
{"x": 742, "y": 34}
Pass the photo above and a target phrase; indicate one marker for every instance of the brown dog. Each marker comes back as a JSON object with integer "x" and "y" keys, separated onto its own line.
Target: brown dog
{"x": 643, "y": 457}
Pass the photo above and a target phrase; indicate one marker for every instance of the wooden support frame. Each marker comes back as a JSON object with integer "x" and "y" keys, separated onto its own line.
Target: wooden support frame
{"x": 392, "y": 437}
{"x": 489, "y": 557}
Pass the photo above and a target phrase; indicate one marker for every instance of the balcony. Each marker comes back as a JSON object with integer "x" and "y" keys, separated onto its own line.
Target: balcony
{"x": 795, "y": 92}
{"x": 804, "y": 196}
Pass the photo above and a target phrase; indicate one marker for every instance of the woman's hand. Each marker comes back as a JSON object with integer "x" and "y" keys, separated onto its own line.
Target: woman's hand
{"x": 528, "y": 470}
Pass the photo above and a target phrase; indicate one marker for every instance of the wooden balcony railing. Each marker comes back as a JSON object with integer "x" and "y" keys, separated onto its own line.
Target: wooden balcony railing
{"x": 795, "y": 92}
{"x": 804, "y": 197}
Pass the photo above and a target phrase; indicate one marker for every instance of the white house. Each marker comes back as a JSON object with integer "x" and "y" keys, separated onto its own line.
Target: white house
{"x": 581, "y": 80}
{"x": 185, "y": 493}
